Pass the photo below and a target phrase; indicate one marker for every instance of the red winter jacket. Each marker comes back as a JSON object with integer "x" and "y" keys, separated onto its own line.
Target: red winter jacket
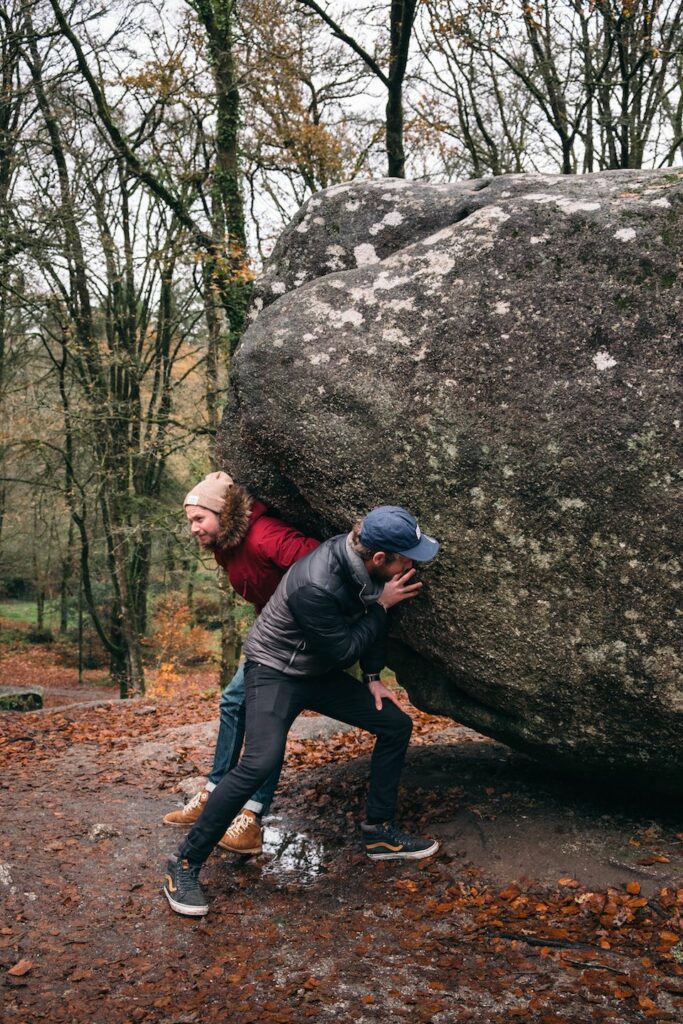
{"x": 255, "y": 548}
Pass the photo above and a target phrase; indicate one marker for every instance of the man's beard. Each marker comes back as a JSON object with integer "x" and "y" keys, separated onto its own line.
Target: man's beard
{"x": 379, "y": 576}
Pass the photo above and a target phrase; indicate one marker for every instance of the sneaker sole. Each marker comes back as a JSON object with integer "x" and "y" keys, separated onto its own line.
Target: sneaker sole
{"x": 405, "y": 855}
{"x": 181, "y": 908}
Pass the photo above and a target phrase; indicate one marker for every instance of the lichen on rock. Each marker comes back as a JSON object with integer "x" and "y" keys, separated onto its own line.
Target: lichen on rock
{"x": 501, "y": 356}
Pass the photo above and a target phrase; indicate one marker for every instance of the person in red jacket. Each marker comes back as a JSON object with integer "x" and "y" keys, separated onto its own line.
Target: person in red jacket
{"x": 255, "y": 549}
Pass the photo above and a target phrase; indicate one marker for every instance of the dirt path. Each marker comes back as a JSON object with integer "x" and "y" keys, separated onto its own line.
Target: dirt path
{"x": 32, "y": 666}
{"x": 544, "y": 905}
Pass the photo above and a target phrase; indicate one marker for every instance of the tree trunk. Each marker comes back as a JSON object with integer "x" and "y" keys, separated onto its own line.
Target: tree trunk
{"x": 67, "y": 572}
{"x": 130, "y": 637}
{"x": 126, "y": 650}
{"x": 225, "y": 271}
{"x": 402, "y": 17}
{"x": 227, "y": 215}
{"x": 118, "y": 666}
{"x": 139, "y": 579}
{"x": 396, "y": 160}
{"x": 11, "y": 105}
{"x": 64, "y": 598}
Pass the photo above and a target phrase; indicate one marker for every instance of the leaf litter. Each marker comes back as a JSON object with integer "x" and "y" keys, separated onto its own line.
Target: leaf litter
{"x": 87, "y": 936}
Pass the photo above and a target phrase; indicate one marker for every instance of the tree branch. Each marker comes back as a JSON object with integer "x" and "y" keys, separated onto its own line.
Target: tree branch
{"x": 121, "y": 146}
{"x": 349, "y": 40}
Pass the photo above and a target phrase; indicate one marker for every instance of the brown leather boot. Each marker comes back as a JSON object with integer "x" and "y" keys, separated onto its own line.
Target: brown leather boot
{"x": 245, "y": 835}
{"x": 190, "y": 812}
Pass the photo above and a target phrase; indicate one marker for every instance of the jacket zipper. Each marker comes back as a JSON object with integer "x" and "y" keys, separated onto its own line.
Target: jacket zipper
{"x": 299, "y": 647}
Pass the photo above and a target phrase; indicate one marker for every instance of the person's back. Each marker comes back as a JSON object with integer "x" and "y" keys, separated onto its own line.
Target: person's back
{"x": 255, "y": 547}
{"x": 282, "y": 637}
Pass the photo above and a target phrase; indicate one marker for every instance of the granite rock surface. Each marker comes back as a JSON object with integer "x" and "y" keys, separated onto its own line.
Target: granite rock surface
{"x": 502, "y": 357}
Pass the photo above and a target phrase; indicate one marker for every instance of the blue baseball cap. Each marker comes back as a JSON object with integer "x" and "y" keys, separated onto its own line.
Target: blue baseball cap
{"x": 392, "y": 528}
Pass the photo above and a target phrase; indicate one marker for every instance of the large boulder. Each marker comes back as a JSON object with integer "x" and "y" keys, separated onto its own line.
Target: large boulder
{"x": 499, "y": 356}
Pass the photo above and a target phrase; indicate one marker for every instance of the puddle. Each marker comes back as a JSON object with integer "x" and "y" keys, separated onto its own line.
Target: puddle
{"x": 292, "y": 856}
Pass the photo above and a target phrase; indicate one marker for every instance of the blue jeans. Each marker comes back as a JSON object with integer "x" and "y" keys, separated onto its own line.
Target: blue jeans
{"x": 232, "y": 709}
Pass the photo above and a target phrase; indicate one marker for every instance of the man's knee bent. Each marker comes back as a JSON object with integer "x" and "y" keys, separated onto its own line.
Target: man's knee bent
{"x": 399, "y": 725}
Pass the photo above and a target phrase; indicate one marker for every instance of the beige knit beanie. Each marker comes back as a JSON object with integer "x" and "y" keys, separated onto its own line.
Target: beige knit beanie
{"x": 210, "y": 492}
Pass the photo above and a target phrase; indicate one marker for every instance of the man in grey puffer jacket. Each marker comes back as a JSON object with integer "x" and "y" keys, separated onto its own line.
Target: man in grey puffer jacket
{"x": 329, "y": 611}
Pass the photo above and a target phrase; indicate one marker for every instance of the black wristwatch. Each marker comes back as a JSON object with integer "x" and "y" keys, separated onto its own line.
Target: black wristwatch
{"x": 371, "y": 677}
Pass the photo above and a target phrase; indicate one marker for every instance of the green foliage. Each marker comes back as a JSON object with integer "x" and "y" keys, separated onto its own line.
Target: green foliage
{"x": 26, "y": 613}
{"x": 19, "y": 611}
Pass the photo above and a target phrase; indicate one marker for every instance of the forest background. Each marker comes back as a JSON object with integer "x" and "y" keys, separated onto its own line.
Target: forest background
{"x": 150, "y": 153}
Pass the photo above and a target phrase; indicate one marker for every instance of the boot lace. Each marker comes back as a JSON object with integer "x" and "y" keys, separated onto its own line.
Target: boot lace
{"x": 239, "y": 825}
{"x": 195, "y": 801}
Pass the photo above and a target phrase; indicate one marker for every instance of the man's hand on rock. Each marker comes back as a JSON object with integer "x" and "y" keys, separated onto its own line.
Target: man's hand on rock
{"x": 399, "y": 588}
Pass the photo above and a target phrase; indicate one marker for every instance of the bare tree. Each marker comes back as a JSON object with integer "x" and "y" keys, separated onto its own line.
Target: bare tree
{"x": 467, "y": 98}
{"x": 603, "y": 77}
{"x": 106, "y": 263}
{"x": 12, "y": 114}
{"x": 401, "y": 18}
{"x": 638, "y": 68}
{"x": 303, "y": 130}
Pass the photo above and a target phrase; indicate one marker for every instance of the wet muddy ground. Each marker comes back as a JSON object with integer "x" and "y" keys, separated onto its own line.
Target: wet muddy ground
{"x": 546, "y": 902}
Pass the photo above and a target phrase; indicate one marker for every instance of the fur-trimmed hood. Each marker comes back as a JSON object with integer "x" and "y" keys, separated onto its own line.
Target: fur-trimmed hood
{"x": 238, "y": 513}
{"x": 256, "y": 548}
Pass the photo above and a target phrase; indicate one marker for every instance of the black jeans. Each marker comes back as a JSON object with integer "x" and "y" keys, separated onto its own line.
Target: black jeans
{"x": 273, "y": 702}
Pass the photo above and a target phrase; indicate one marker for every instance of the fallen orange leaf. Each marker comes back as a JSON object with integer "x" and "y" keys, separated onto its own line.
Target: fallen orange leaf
{"x": 20, "y": 969}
